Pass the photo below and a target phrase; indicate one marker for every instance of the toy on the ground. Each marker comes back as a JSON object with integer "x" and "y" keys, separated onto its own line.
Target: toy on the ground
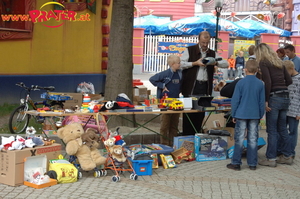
{"x": 118, "y": 138}
{"x": 117, "y": 153}
{"x": 71, "y": 135}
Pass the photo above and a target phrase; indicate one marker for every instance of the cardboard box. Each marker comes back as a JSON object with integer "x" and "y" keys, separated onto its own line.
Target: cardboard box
{"x": 187, "y": 103}
{"x": 140, "y": 93}
{"x": 178, "y": 141}
{"x": 12, "y": 162}
{"x": 77, "y": 100}
{"x": 210, "y": 147}
{"x": 214, "y": 121}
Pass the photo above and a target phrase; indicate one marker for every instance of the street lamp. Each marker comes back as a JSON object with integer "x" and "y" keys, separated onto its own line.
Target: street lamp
{"x": 218, "y": 8}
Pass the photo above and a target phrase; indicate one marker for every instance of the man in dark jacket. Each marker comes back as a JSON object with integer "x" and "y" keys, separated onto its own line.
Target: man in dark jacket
{"x": 197, "y": 78}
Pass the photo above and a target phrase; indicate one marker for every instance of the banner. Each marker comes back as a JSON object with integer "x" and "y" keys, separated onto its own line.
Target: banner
{"x": 242, "y": 45}
{"x": 172, "y": 47}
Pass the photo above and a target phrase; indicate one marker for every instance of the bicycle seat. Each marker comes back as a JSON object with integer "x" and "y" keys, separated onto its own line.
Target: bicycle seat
{"x": 49, "y": 88}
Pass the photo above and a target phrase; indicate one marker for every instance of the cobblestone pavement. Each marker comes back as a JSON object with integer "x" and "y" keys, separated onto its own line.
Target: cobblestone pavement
{"x": 189, "y": 180}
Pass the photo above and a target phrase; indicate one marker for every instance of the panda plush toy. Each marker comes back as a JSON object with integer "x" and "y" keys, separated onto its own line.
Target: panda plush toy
{"x": 109, "y": 105}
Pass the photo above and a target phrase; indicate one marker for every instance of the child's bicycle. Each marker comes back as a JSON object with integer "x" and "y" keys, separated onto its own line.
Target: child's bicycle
{"x": 18, "y": 120}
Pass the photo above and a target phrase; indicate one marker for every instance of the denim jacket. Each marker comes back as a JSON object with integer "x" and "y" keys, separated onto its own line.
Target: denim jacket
{"x": 160, "y": 80}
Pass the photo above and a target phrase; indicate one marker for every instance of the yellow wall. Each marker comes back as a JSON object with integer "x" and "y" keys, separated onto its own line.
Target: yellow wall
{"x": 73, "y": 48}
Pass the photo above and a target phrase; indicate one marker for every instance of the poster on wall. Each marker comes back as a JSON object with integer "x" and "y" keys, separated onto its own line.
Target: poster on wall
{"x": 172, "y": 47}
{"x": 242, "y": 45}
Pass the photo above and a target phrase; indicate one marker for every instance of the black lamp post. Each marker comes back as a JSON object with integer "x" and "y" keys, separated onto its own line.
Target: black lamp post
{"x": 218, "y": 8}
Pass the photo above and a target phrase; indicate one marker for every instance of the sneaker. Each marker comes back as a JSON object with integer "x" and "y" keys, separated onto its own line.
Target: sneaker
{"x": 235, "y": 167}
{"x": 284, "y": 160}
{"x": 267, "y": 162}
{"x": 252, "y": 167}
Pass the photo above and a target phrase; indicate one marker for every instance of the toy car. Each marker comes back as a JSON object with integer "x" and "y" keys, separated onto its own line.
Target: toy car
{"x": 173, "y": 104}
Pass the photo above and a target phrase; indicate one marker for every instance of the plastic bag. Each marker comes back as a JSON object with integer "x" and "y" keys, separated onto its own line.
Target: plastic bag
{"x": 86, "y": 87}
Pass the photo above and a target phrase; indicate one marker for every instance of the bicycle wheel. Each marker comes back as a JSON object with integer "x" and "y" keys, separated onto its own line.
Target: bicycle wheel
{"x": 18, "y": 120}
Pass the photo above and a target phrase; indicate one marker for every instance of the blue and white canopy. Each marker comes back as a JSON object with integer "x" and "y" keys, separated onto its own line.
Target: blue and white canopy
{"x": 150, "y": 23}
{"x": 259, "y": 27}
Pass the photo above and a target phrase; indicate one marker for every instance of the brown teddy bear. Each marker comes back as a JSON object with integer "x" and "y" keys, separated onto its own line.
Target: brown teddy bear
{"x": 117, "y": 154}
{"x": 92, "y": 140}
{"x": 71, "y": 135}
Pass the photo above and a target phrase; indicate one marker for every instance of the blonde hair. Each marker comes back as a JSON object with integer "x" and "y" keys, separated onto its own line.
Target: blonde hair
{"x": 265, "y": 52}
{"x": 252, "y": 66}
{"x": 288, "y": 64}
{"x": 172, "y": 59}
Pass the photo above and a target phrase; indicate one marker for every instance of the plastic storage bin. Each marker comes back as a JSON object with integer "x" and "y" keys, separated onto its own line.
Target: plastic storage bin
{"x": 166, "y": 151}
{"x": 142, "y": 167}
{"x": 56, "y": 96}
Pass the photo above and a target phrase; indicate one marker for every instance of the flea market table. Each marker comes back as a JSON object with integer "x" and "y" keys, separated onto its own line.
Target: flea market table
{"x": 123, "y": 114}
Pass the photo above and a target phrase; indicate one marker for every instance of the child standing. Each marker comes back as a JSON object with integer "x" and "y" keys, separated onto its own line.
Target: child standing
{"x": 239, "y": 64}
{"x": 231, "y": 67}
{"x": 248, "y": 92}
{"x": 293, "y": 114}
{"x": 168, "y": 82}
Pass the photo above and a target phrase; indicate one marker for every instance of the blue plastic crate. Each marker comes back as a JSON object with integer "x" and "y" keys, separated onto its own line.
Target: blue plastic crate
{"x": 142, "y": 167}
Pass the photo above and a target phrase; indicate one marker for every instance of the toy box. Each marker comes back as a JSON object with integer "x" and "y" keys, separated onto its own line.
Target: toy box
{"x": 260, "y": 143}
{"x": 178, "y": 141}
{"x": 210, "y": 147}
{"x": 166, "y": 150}
{"x": 142, "y": 167}
{"x": 34, "y": 169}
{"x": 12, "y": 162}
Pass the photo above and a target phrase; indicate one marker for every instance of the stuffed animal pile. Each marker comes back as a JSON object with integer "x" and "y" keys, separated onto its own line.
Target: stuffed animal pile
{"x": 18, "y": 142}
{"x": 83, "y": 145}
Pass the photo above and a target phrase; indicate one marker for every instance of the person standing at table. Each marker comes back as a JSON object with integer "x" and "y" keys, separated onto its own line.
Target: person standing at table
{"x": 291, "y": 53}
{"x": 239, "y": 64}
{"x": 249, "y": 92}
{"x": 197, "y": 77}
{"x": 168, "y": 83}
{"x": 276, "y": 79}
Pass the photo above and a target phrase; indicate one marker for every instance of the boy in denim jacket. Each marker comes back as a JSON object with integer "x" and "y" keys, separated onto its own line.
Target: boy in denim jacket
{"x": 168, "y": 83}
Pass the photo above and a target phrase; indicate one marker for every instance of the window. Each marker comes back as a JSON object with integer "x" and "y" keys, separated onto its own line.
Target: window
{"x": 14, "y": 19}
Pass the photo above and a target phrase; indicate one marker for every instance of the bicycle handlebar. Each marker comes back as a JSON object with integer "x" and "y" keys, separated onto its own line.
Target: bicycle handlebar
{"x": 35, "y": 87}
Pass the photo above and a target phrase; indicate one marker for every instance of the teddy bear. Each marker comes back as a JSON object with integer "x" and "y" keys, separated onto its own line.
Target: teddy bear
{"x": 92, "y": 140}
{"x": 71, "y": 136}
{"x": 110, "y": 142}
{"x": 117, "y": 154}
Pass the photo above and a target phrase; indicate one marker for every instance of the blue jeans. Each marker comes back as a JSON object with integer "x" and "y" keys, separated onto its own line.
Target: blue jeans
{"x": 231, "y": 73}
{"x": 293, "y": 132}
{"x": 239, "y": 71}
{"x": 239, "y": 135}
{"x": 276, "y": 127}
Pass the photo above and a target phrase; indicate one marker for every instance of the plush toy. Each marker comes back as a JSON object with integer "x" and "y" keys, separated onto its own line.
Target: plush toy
{"x": 92, "y": 140}
{"x": 71, "y": 135}
{"x": 29, "y": 143}
{"x": 47, "y": 141}
{"x": 118, "y": 138}
{"x": 109, "y": 105}
{"x": 92, "y": 105}
{"x": 6, "y": 142}
{"x": 38, "y": 141}
{"x": 117, "y": 154}
{"x": 110, "y": 142}
{"x": 30, "y": 132}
